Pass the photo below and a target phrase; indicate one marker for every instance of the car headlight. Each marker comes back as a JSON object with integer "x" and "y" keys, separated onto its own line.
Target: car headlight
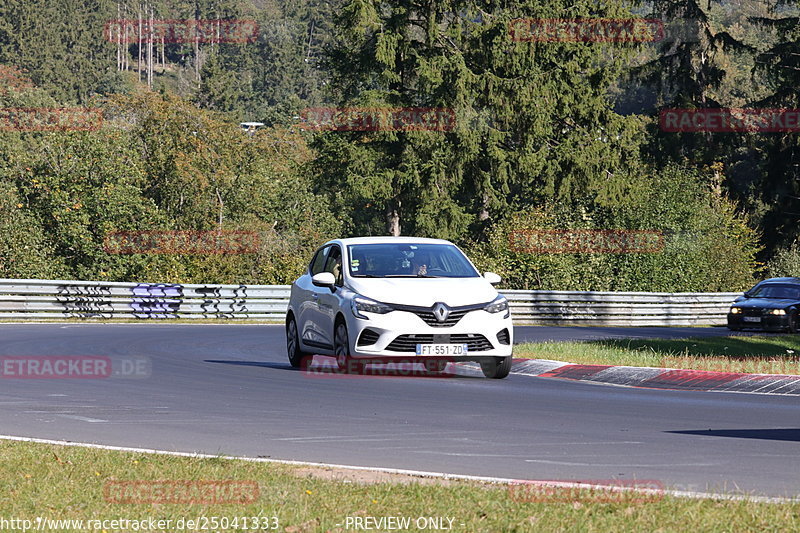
{"x": 359, "y": 304}
{"x": 498, "y": 305}
{"x": 736, "y": 310}
{"x": 777, "y": 312}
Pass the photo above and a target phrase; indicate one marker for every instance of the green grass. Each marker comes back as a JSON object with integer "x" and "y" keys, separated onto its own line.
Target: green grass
{"x": 778, "y": 354}
{"x": 67, "y": 483}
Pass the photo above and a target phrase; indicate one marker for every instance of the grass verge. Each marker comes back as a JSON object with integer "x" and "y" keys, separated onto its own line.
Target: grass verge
{"x": 62, "y": 483}
{"x": 778, "y": 354}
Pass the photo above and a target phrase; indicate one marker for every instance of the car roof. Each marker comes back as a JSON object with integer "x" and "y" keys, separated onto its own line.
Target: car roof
{"x": 781, "y": 280}
{"x": 390, "y": 240}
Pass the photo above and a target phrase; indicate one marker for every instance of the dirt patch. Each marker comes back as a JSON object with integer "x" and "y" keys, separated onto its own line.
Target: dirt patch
{"x": 346, "y": 475}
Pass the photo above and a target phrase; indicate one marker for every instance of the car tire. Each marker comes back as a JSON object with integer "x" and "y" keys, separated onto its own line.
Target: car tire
{"x": 341, "y": 350}
{"x": 496, "y": 368}
{"x": 293, "y": 344}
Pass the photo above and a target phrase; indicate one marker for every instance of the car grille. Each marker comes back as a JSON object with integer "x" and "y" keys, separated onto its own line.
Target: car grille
{"x": 749, "y": 311}
{"x": 408, "y": 343}
{"x": 367, "y": 337}
{"x": 427, "y": 316}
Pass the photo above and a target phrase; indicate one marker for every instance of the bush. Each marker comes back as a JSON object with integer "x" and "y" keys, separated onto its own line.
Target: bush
{"x": 157, "y": 164}
{"x": 706, "y": 246}
{"x": 24, "y": 251}
{"x": 785, "y": 262}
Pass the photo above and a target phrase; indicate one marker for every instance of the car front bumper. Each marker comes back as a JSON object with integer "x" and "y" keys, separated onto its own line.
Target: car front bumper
{"x": 393, "y": 336}
{"x": 768, "y": 322}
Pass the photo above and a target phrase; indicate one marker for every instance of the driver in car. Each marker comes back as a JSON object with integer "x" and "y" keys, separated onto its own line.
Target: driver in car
{"x": 420, "y": 263}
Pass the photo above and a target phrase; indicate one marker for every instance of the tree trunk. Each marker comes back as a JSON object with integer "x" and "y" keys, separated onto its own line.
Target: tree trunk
{"x": 150, "y": 35}
{"x": 483, "y": 215}
{"x": 126, "y": 65}
{"x": 196, "y": 47}
{"x": 393, "y": 218}
{"x": 119, "y": 39}
{"x": 221, "y": 206}
{"x": 139, "y": 62}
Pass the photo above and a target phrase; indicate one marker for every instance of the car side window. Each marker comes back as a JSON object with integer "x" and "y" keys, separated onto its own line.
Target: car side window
{"x": 334, "y": 264}
{"x": 318, "y": 263}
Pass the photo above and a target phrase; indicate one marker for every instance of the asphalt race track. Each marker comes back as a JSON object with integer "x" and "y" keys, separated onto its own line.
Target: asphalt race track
{"x": 228, "y": 389}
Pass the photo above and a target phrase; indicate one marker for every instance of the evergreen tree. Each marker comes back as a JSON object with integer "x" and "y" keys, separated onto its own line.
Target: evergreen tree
{"x": 61, "y": 44}
{"x": 685, "y": 74}
{"x": 533, "y": 120}
{"x": 778, "y": 190}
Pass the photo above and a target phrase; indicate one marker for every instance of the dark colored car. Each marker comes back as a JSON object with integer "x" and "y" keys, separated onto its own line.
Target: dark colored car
{"x": 772, "y": 305}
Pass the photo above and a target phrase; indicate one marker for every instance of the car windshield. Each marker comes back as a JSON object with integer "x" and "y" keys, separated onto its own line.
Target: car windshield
{"x": 776, "y": 291}
{"x": 392, "y": 260}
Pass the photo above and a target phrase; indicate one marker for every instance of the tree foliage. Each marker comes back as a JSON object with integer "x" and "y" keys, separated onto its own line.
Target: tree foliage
{"x": 159, "y": 164}
{"x": 561, "y": 134}
{"x": 700, "y": 231}
{"x": 533, "y": 121}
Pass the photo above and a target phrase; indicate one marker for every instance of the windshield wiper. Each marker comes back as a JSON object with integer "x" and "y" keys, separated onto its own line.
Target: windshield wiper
{"x": 398, "y": 276}
{"x": 412, "y": 276}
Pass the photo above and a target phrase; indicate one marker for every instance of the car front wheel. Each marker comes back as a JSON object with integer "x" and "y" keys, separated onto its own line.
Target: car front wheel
{"x": 496, "y": 368}
{"x": 341, "y": 349}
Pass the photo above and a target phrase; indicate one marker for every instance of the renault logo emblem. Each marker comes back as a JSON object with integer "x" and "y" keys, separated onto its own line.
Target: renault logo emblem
{"x": 441, "y": 312}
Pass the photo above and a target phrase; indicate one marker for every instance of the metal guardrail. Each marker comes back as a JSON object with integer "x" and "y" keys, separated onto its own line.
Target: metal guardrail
{"x": 33, "y": 298}
{"x": 579, "y": 308}
{"x": 59, "y": 299}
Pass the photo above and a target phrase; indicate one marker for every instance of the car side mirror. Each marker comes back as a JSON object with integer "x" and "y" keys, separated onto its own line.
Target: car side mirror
{"x": 492, "y": 278}
{"x": 323, "y": 279}
{"x": 748, "y": 294}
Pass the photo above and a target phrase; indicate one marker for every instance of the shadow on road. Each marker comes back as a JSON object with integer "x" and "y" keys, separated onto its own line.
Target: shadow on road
{"x": 371, "y": 371}
{"x": 764, "y": 434}
{"x": 280, "y": 366}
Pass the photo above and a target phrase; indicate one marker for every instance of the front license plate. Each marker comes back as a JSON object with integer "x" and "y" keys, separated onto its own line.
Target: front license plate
{"x": 752, "y": 319}
{"x": 441, "y": 349}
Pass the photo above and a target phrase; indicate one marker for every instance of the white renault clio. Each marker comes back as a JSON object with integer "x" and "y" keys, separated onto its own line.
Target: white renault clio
{"x": 384, "y": 299}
